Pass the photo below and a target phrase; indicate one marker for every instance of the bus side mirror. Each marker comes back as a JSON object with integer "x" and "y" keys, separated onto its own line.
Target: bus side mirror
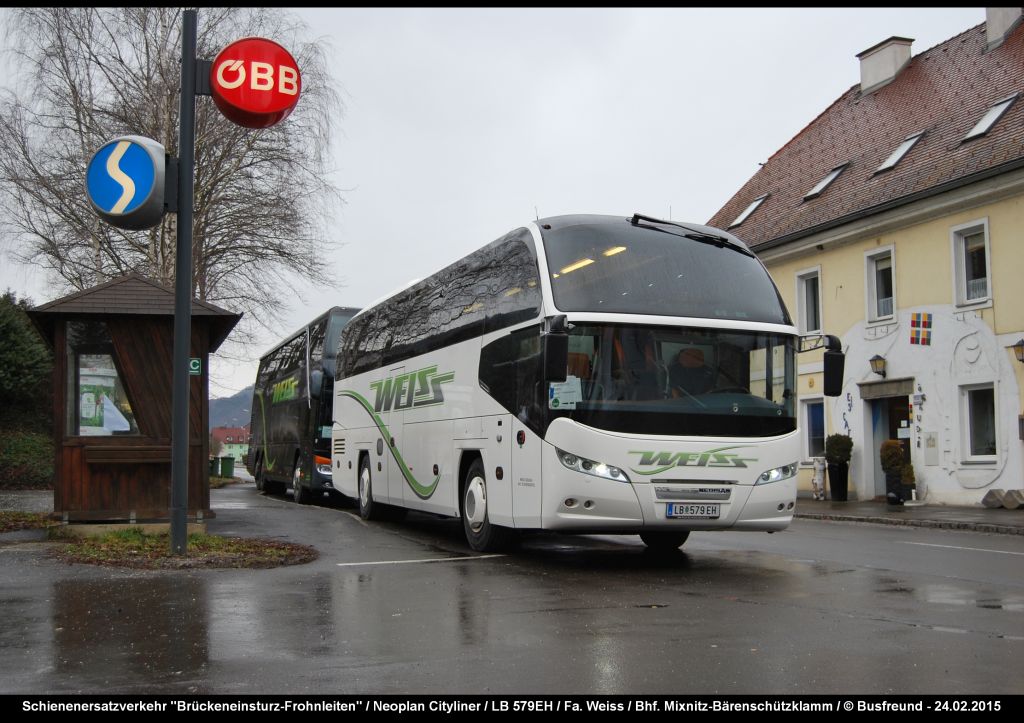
{"x": 316, "y": 383}
{"x": 835, "y": 361}
{"x": 555, "y": 343}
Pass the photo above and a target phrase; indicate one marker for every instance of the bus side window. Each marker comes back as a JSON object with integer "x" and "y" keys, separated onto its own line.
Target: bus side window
{"x": 510, "y": 370}
{"x": 316, "y": 341}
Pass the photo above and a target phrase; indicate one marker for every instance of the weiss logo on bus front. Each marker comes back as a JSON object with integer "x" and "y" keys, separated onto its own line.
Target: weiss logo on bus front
{"x": 709, "y": 458}
{"x": 420, "y": 388}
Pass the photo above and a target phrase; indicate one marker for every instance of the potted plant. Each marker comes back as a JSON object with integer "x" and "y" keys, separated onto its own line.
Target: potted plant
{"x": 891, "y": 456}
{"x": 909, "y": 480}
{"x": 838, "y": 448}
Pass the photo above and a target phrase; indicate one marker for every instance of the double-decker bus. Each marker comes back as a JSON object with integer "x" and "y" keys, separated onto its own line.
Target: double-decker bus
{"x": 292, "y": 403}
{"x": 588, "y": 374}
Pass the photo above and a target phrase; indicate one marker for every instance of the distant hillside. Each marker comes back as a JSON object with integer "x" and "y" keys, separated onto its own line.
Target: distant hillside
{"x": 231, "y": 411}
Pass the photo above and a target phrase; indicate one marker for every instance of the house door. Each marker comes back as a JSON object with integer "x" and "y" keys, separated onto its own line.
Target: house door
{"x": 890, "y": 419}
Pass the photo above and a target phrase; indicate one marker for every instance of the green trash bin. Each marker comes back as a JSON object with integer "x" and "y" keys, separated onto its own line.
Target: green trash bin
{"x": 227, "y": 466}
{"x": 213, "y": 466}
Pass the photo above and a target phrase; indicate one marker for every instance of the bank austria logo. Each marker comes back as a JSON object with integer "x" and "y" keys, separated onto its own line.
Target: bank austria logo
{"x": 421, "y": 388}
{"x": 665, "y": 461}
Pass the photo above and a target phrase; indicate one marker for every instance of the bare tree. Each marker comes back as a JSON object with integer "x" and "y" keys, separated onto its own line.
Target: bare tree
{"x": 262, "y": 198}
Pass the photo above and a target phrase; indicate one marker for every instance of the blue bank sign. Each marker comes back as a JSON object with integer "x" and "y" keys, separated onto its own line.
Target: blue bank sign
{"x": 125, "y": 182}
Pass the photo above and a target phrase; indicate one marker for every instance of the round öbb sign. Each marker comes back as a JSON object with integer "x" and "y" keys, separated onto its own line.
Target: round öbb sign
{"x": 255, "y": 82}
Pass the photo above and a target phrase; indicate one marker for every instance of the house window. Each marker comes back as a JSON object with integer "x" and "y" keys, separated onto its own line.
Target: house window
{"x": 748, "y": 210}
{"x": 825, "y": 182}
{"x": 979, "y": 422}
{"x": 971, "y": 262}
{"x": 880, "y": 285}
{"x": 814, "y": 428}
{"x": 989, "y": 119}
{"x": 900, "y": 151}
{"x": 808, "y": 301}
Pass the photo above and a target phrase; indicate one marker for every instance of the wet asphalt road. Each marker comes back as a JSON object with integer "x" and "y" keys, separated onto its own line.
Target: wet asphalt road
{"x": 824, "y": 607}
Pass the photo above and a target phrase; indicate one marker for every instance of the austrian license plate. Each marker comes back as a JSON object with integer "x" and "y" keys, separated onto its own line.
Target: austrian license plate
{"x": 691, "y": 510}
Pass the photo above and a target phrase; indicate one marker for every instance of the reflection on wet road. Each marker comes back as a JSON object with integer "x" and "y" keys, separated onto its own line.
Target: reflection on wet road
{"x": 408, "y": 608}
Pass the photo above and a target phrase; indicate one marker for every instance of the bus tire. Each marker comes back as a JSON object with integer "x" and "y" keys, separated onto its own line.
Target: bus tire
{"x": 302, "y": 495}
{"x": 663, "y": 541}
{"x": 368, "y": 509}
{"x": 259, "y": 475}
{"x": 481, "y": 535}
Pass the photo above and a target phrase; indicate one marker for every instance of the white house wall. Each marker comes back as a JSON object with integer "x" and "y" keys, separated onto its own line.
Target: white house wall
{"x": 963, "y": 351}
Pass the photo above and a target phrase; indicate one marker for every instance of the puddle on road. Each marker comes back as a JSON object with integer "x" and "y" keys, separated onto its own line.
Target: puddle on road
{"x": 232, "y": 506}
{"x": 952, "y": 595}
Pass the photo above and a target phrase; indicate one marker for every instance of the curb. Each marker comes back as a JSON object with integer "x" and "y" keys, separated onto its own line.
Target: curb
{"x": 935, "y": 524}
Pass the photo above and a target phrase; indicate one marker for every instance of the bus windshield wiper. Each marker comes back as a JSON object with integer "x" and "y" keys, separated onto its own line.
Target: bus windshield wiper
{"x": 693, "y": 235}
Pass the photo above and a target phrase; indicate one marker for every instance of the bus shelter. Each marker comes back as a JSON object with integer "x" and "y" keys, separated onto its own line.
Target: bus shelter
{"x": 112, "y": 382}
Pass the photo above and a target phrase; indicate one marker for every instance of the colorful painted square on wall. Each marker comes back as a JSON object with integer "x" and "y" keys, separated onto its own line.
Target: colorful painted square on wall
{"x": 921, "y": 320}
{"x": 920, "y": 329}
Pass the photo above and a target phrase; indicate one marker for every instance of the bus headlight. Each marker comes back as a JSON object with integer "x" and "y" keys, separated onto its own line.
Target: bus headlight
{"x": 587, "y": 466}
{"x": 323, "y": 465}
{"x": 778, "y": 474}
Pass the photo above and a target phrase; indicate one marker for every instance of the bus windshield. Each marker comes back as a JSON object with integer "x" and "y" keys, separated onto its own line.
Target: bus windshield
{"x": 643, "y": 269}
{"x": 678, "y": 381}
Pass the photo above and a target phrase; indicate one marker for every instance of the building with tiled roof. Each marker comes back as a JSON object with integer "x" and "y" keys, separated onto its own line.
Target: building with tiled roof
{"x": 233, "y": 441}
{"x": 894, "y": 221}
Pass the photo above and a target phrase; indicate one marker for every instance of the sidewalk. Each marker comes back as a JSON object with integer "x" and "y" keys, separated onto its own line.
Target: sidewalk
{"x": 976, "y": 519}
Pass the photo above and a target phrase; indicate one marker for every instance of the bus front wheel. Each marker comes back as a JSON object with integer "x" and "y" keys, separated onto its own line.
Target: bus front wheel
{"x": 664, "y": 541}
{"x": 480, "y": 533}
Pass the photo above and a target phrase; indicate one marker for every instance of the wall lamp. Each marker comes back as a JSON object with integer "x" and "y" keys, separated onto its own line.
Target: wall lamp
{"x": 878, "y": 363}
{"x": 1018, "y": 350}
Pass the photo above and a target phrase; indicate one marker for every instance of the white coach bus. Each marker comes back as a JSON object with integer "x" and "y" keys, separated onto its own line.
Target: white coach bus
{"x": 588, "y": 374}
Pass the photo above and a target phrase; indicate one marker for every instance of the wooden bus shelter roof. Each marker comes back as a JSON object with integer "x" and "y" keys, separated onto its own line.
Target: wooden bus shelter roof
{"x": 132, "y": 295}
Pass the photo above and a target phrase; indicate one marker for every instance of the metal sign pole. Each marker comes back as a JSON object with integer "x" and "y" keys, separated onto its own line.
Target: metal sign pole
{"x": 183, "y": 287}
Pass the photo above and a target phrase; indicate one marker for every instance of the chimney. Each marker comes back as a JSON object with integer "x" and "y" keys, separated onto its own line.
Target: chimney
{"x": 999, "y": 23}
{"x": 881, "y": 63}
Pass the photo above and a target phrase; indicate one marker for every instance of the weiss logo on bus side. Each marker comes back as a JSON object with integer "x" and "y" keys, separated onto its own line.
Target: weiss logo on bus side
{"x": 420, "y": 388}
{"x": 260, "y": 75}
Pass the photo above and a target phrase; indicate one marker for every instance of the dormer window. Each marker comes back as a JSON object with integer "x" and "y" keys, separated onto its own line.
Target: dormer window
{"x": 989, "y": 119}
{"x": 900, "y": 151}
{"x": 748, "y": 210}
{"x": 825, "y": 182}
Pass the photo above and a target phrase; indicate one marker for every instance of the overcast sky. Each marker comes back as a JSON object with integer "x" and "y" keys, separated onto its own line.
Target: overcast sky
{"x": 461, "y": 125}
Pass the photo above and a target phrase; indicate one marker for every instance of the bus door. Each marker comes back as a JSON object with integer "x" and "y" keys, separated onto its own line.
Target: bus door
{"x": 525, "y": 475}
{"x": 395, "y": 390}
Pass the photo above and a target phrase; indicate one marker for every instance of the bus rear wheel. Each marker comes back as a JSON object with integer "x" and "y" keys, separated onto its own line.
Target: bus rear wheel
{"x": 664, "y": 541}
{"x": 302, "y": 495}
{"x": 259, "y": 475}
{"x": 481, "y": 535}
{"x": 368, "y": 509}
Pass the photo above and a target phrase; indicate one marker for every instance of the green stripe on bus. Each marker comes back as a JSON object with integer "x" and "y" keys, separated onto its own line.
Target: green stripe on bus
{"x": 268, "y": 463}
{"x": 422, "y": 491}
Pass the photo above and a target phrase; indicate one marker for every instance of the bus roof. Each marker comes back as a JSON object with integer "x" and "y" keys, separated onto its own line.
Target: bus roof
{"x": 302, "y": 330}
{"x": 590, "y": 219}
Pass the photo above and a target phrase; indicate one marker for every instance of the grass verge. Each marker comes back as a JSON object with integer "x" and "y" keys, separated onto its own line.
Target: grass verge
{"x": 132, "y": 548}
{"x": 11, "y": 521}
{"x": 217, "y": 482}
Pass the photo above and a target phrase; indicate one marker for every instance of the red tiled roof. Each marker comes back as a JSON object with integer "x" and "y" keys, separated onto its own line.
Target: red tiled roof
{"x": 239, "y": 435}
{"x": 943, "y": 91}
